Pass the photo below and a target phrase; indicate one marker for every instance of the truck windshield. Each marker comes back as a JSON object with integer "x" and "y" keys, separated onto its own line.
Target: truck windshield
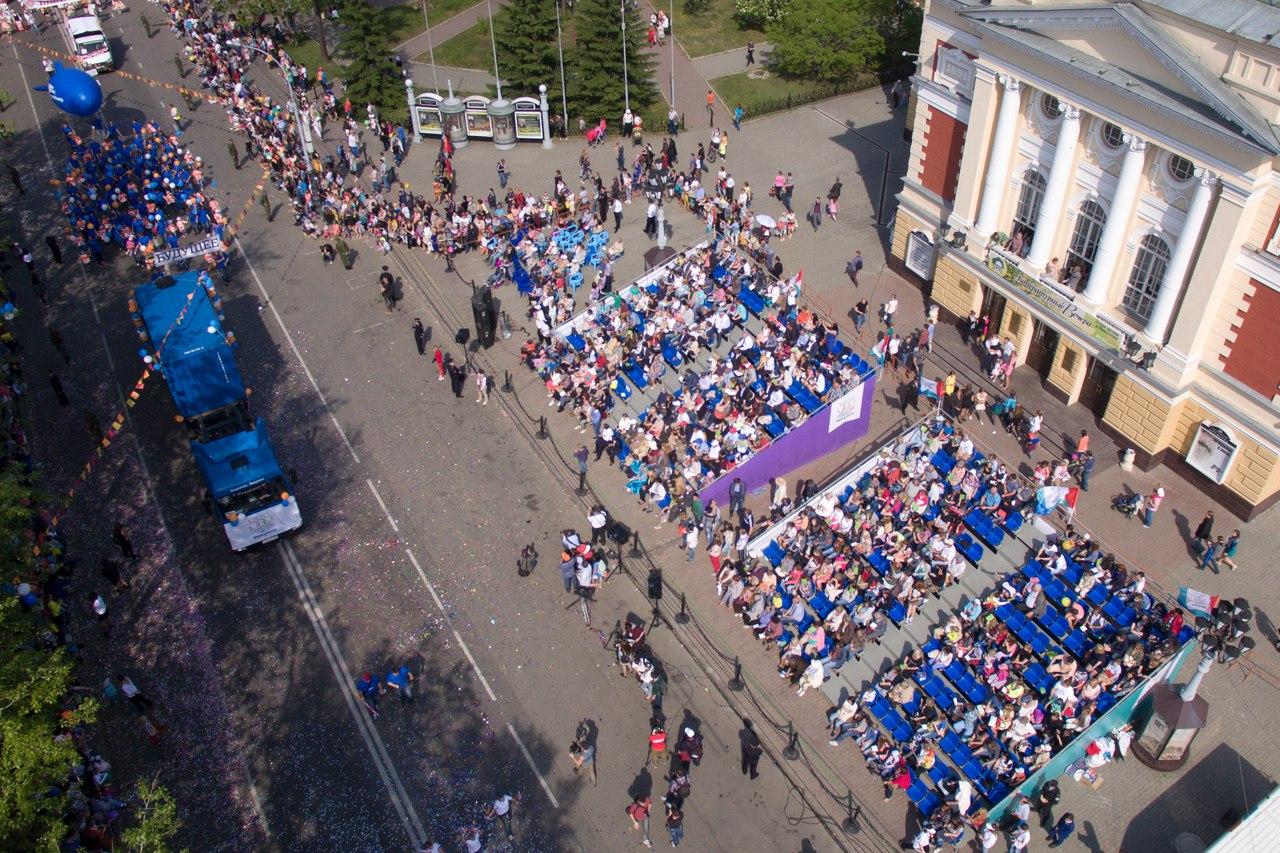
{"x": 92, "y": 43}
{"x": 254, "y": 498}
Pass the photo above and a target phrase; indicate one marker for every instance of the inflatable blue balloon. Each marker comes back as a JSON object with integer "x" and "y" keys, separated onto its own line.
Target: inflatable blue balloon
{"x": 74, "y": 91}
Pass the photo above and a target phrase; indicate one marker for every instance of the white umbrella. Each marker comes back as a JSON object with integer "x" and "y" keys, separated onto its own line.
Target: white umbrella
{"x": 765, "y": 220}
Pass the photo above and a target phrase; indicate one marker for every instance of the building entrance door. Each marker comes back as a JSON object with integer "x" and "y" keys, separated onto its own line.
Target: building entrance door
{"x": 993, "y": 306}
{"x": 1095, "y": 393}
{"x": 1044, "y": 343}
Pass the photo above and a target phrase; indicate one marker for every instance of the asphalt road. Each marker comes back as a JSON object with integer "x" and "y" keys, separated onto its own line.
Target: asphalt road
{"x": 416, "y": 505}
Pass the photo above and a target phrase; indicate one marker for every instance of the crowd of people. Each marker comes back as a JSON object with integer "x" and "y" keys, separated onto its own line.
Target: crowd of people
{"x": 142, "y": 191}
{"x": 1005, "y": 683}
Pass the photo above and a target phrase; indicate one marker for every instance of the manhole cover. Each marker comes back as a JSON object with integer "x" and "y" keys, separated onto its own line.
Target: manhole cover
{"x": 757, "y": 74}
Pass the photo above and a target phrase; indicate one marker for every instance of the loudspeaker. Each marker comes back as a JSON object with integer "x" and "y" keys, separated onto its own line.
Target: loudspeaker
{"x": 464, "y": 335}
{"x": 655, "y": 584}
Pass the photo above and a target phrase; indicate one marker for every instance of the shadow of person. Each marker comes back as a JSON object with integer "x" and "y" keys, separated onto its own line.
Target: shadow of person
{"x": 1088, "y": 836}
{"x": 641, "y": 786}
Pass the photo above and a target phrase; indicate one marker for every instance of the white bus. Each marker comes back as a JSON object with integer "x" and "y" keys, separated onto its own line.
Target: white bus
{"x": 87, "y": 41}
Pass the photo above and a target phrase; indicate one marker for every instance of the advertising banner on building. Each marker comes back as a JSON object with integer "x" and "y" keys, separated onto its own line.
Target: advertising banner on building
{"x": 1095, "y": 326}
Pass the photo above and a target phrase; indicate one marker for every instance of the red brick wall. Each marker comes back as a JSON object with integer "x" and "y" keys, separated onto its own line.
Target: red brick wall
{"x": 1255, "y": 355}
{"x": 940, "y": 154}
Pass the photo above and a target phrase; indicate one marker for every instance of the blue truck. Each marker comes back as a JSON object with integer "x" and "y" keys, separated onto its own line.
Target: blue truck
{"x": 179, "y": 320}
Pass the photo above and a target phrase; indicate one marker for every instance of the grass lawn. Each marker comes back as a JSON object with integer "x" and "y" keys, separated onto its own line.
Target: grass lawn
{"x": 468, "y": 49}
{"x": 711, "y": 31}
{"x": 403, "y": 22}
{"x": 769, "y": 94}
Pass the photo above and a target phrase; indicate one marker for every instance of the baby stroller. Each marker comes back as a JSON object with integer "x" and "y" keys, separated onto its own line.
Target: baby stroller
{"x": 1127, "y": 505}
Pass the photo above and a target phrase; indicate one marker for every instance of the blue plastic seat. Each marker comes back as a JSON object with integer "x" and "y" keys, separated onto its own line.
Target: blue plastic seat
{"x": 774, "y": 553}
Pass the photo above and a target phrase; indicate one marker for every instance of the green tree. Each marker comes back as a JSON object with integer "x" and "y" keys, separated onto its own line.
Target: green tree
{"x": 826, "y": 40}
{"x": 34, "y": 685}
{"x": 158, "y": 823}
{"x": 598, "y": 91}
{"x": 288, "y": 10}
{"x": 525, "y": 32}
{"x": 371, "y": 74}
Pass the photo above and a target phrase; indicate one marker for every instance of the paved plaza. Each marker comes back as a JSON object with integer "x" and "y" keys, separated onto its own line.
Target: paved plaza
{"x": 418, "y": 504}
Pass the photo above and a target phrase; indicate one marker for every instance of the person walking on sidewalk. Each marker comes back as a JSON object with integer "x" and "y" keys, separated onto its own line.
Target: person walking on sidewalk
{"x": 751, "y": 53}
{"x": 419, "y": 336}
{"x": 675, "y": 824}
{"x": 438, "y": 358}
{"x": 815, "y": 213}
{"x": 711, "y": 108}
{"x": 1229, "y": 549}
{"x": 1062, "y": 830}
{"x": 482, "y": 387}
{"x": 501, "y": 809}
{"x": 639, "y": 811}
{"x": 854, "y": 267}
{"x": 1204, "y": 531}
{"x": 657, "y": 746}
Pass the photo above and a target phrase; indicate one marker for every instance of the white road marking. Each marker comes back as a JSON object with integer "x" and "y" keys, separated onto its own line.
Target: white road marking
{"x": 431, "y": 589}
{"x": 346, "y": 686}
{"x": 377, "y": 497}
{"x": 524, "y": 750}
{"x": 257, "y": 807}
{"x": 369, "y": 328}
{"x": 298, "y": 355}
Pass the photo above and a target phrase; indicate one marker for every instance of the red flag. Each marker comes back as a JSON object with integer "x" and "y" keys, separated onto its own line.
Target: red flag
{"x": 1073, "y": 494}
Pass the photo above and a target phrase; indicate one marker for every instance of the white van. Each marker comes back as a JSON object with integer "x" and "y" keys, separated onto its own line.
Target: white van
{"x": 87, "y": 41}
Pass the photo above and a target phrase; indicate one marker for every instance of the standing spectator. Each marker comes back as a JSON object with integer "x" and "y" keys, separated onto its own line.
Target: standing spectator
{"x": 1229, "y": 549}
{"x": 581, "y": 455}
{"x": 438, "y": 358}
{"x": 401, "y": 680}
{"x": 691, "y": 541}
{"x": 1204, "y": 532}
{"x": 482, "y": 387}
{"x": 583, "y": 756}
{"x": 617, "y": 213}
{"x": 860, "y": 315}
{"x": 568, "y": 570}
{"x": 657, "y": 746}
{"x": 598, "y": 518}
{"x": 890, "y": 308}
{"x": 1062, "y": 830}
{"x": 737, "y": 497}
{"x": 503, "y": 174}
{"x": 121, "y": 539}
{"x": 387, "y": 287}
{"x": 675, "y": 817}
{"x": 738, "y": 113}
{"x": 419, "y": 336}
{"x": 369, "y": 687}
{"x": 141, "y": 703}
{"x": 501, "y": 809}
{"x": 103, "y": 615}
{"x": 1087, "y": 463}
{"x": 1152, "y": 504}
{"x": 815, "y": 213}
{"x": 639, "y": 811}
{"x": 752, "y": 749}
{"x": 457, "y": 377}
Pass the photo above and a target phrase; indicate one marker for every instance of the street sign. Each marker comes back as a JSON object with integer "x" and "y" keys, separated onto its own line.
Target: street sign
{"x": 204, "y": 247}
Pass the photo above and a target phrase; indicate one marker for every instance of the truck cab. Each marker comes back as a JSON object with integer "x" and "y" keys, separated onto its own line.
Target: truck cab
{"x": 88, "y": 42}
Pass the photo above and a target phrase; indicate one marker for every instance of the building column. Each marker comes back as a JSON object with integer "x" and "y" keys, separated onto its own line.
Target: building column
{"x": 1055, "y": 193}
{"x": 997, "y": 177}
{"x": 1113, "y": 231}
{"x": 1180, "y": 261}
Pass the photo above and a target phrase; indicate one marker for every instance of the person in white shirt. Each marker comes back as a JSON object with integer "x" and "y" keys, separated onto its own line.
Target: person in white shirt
{"x": 501, "y": 809}
{"x": 597, "y": 518}
{"x": 691, "y": 542}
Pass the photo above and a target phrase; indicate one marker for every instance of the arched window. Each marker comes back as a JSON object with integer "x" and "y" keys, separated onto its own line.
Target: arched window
{"x": 1027, "y": 212}
{"x": 1084, "y": 242}
{"x": 1147, "y": 276}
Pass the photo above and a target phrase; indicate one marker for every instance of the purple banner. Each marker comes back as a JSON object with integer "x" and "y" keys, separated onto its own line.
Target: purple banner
{"x": 844, "y": 421}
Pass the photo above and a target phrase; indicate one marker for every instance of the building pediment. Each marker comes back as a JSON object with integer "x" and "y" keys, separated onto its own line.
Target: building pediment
{"x": 1119, "y": 47}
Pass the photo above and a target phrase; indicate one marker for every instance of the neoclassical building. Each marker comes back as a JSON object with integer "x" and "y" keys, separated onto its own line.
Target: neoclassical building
{"x": 1101, "y": 180}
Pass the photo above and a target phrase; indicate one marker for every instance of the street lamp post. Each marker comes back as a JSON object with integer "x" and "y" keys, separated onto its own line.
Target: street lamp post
{"x": 671, "y": 37}
{"x": 431, "y": 51}
{"x": 626, "y": 88}
{"x": 564, "y": 100}
{"x": 304, "y": 136}
{"x": 1164, "y": 742}
{"x": 493, "y": 46}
